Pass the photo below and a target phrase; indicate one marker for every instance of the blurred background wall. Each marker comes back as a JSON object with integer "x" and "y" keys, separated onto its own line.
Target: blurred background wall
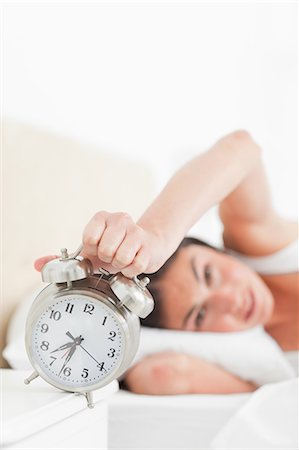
{"x": 157, "y": 81}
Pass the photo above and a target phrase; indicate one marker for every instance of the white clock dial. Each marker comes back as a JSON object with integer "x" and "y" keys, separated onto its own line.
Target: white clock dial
{"x": 78, "y": 341}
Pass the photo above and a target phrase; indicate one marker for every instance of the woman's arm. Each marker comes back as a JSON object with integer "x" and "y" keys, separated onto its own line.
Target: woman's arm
{"x": 171, "y": 373}
{"x": 203, "y": 182}
{"x": 251, "y": 225}
{"x": 231, "y": 174}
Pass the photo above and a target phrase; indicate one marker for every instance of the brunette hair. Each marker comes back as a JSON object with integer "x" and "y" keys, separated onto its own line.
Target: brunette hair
{"x": 154, "y": 319}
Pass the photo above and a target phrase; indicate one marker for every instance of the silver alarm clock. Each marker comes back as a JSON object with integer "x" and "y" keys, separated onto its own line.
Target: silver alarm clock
{"x": 83, "y": 328}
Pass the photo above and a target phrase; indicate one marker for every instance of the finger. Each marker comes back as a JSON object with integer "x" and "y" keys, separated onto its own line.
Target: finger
{"x": 127, "y": 251}
{"x": 93, "y": 232}
{"x": 139, "y": 264}
{"x": 97, "y": 263}
{"x": 109, "y": 243}
{"x": 40, "y": 262}
{"x": 113, "y": 236}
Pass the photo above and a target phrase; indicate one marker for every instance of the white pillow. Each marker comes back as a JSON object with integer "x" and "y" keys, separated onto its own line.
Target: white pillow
{"x": 252, "y": 355}
{"x": 15, "y": 351}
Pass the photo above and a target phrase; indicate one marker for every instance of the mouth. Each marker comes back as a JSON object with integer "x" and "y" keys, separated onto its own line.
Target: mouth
{"x": 250, "y": 308}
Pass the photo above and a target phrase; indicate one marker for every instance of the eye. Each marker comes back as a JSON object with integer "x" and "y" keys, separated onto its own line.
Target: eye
{"x": 200, "y": 316}
{"x": 208, "y": 274}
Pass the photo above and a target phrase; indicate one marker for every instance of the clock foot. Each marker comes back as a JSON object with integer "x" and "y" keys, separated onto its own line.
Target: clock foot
{"x": 32, "y": 377}
{"x": 88, "y": 396}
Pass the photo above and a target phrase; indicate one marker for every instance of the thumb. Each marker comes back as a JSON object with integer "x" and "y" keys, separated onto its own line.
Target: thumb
{"x": 40, "y": 262}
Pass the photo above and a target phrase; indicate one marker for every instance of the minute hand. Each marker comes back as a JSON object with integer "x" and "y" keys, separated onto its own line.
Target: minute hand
{"x": 90, "y": 355}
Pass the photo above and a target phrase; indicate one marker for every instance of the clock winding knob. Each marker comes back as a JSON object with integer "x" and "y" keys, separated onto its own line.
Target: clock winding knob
{"x": 143, "y": 282}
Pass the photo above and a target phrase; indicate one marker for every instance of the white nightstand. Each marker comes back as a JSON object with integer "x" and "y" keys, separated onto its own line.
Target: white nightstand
{"x": 40, "y": 416}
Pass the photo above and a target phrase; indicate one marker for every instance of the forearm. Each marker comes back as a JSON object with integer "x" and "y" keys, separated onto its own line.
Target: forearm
{"x": 171, "y": 373}
{"x": 207, "y": 378}
{"x": 202, "y": 183}
{"x": 115, "y": 242}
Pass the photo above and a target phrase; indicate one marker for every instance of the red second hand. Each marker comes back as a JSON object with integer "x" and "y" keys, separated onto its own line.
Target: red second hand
{"x": 66, "y": 353}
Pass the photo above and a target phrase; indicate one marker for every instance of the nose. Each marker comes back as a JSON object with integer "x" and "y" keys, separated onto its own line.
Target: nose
{"x": 227, "y": 300}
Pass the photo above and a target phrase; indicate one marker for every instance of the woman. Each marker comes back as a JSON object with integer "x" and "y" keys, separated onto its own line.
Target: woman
{"x": 200, "y": 288}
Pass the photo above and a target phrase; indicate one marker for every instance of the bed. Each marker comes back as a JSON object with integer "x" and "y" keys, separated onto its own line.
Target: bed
{"x": 197, "y": 421}
{"x": 135, "y": 421}
{"x": 168, "y": 422}
{"x": 265, "y": 419}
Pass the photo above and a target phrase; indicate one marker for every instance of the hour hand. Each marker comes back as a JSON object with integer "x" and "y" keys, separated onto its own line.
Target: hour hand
{"x": 63, "y": 347}
{"x": 70, "y": 335}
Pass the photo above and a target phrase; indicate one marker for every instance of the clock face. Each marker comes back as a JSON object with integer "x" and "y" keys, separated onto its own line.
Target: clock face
{"x": 78, "y": 341}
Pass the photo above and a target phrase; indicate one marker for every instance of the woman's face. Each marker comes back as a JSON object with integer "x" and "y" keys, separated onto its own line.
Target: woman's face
{"x": 205, "y": 290}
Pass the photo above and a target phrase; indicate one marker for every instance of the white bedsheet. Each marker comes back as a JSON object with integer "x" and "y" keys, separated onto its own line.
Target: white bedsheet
{"x": 168, "y": 422}
{"x": 268, "y": 420}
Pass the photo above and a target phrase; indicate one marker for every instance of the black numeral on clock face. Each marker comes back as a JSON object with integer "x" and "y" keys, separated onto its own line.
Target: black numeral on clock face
{"x": 101, "y": 366}
{"x": 44, "y": 328}
{"x": 104, "y": 321}
{"x": 112, "y": 335}
{"x": 56, "y": 315}
{"x": 45, "y": 346}
{"x": 111, "y": 354}
{"x": 84, "y": 373}
{"x": 88, "y": 308}
{"x": 54, "y": 359}
{"x": 69, "y": 308}
{"x": 67, "y": 371}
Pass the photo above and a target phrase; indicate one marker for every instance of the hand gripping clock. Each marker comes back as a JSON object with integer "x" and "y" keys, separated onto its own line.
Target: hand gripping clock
{"x": 83, "y": 328}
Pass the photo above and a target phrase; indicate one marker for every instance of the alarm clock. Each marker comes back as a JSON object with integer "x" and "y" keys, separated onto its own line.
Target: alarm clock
{"x": 83, "y": 328}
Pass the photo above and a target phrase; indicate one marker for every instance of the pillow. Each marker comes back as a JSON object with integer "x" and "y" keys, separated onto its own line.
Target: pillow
{"x": 15, "y": 350}
{"x": 251, "y": 355}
